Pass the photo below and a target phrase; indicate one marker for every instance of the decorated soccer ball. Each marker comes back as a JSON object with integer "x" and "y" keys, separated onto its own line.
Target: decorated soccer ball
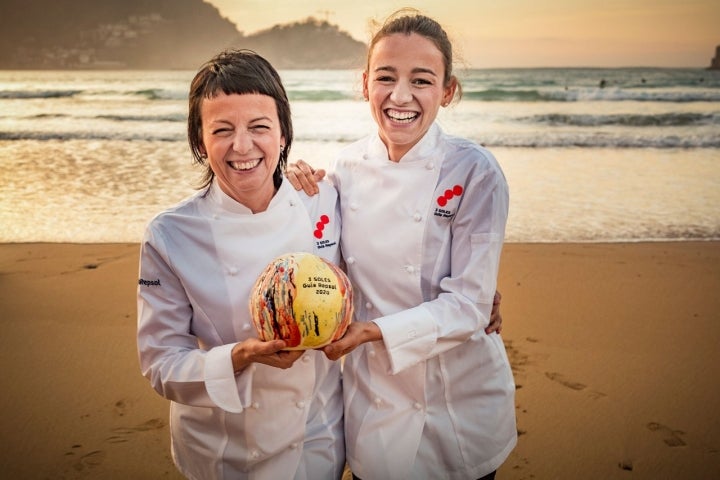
{"x": 303, "y": 299}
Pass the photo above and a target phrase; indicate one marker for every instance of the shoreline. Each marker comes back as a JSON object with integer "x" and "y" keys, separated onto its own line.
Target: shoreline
{"x": 614, "y": 348}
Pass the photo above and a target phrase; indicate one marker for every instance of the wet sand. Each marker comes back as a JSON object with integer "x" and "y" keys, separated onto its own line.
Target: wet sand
{"x": 615, "y": 349}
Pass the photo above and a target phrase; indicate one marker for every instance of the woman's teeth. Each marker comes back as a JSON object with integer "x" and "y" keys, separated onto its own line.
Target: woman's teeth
{"x": 403, "y": 117}
{"x": 248, "y": 165}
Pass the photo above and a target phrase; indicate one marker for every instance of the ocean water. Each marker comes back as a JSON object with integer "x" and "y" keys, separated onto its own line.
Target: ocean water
{"x": 590, "y": 154}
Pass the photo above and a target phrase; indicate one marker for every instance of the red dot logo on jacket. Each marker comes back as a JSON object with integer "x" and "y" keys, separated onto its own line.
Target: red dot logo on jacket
{"x": 320, "y": 226}
{"x": 456, "y": 191}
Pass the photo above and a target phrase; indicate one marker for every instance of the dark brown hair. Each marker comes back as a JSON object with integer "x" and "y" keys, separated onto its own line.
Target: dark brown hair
{"x": 408, "y": 21}
{"x": 237, "y": 72}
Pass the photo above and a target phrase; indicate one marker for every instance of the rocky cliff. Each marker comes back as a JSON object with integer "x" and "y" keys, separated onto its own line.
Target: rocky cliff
{"x": 306, "y": 45}
{"x": 715, "y": 61}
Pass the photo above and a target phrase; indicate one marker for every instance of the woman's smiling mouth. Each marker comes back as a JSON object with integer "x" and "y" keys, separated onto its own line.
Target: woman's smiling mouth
{"x": 245, "y": 165}
{"x": 401, "y": 117}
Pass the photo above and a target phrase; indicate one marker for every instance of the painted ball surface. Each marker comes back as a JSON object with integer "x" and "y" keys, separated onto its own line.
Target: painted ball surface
{"x": 303, "y": 299}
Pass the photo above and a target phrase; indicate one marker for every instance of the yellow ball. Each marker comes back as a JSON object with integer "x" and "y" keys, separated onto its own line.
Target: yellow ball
{"x": 303, "y": 299}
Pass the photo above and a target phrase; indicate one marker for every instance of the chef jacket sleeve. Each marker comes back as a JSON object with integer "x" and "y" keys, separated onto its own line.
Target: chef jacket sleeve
{"x": 463, "y": 299}
{"x": 170, "y": 355}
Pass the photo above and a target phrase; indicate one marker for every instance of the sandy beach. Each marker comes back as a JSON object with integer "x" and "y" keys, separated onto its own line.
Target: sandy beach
{"x": 615, "y": 349}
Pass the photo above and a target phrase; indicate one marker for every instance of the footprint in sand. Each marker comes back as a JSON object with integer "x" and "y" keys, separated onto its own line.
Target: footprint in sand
{"x": 560, "y": 378}
{"x": 122, "y": 434}
{"x": 518, "y": 360}
{"x": 596, "y": 395}
{"x": 573, "y": 385}
{"x": 89, "y": 460}
{"x": 152, "y": 424}
{"x": 120, "y": 408}
{"x": 670, "y": 437}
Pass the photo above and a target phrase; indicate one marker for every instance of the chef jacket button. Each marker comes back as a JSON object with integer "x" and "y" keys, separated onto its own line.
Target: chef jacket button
{"x": 350, "y": 260}
{"x": 294, "y": 445}
{"x": 255, "y": 405}
{"x": 292, "y": 203}
{"x": 417, "y": 217}
{"x": 353, "y": 206}
{"x": 253, "y": 367}
{"x": 300, "y": 404}
{"x": 429, "y": 166}
{"x": 306, "y": 358}
{"x": 417, "y": 405}
{"x": 254, "y": 454}
{"x": 369, "y": 306}
{"x": 246, "y": 326}
{"x": 410, "y": 269}
{"x": 233, "y": 271}
{"x": 215, "y": 216}
{"x": 377, "y": 400}
{"x": 365, "y": 156}
{"x": 371, "y": 353}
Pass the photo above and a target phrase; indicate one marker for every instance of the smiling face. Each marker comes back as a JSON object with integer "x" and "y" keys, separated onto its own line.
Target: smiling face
{"x": 405, "y": 87}
{"x": 242, "y": 138}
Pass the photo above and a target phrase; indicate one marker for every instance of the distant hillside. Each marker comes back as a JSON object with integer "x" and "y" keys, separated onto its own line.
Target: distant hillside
{"x": 308, "y": 44}
{"x": 154, "y": 34}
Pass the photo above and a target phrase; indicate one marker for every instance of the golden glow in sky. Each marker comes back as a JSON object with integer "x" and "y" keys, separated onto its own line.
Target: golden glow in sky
{"x": 526, "y": 33}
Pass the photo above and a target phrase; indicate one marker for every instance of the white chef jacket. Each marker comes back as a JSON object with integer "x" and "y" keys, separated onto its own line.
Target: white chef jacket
{"x": 198, "y": 263}
{"x": 422, "y": 240}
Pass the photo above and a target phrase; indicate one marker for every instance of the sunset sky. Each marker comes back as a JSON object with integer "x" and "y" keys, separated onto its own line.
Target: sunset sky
{"x": 526, "y": 33}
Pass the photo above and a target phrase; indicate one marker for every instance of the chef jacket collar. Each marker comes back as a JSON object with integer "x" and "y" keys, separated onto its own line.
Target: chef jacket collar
{"x": 229, "y": 204}
{"x": 426, "y": 147}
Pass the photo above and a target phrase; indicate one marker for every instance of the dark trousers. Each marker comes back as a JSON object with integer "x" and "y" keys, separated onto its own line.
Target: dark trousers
{"x": 489, "y": 476}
